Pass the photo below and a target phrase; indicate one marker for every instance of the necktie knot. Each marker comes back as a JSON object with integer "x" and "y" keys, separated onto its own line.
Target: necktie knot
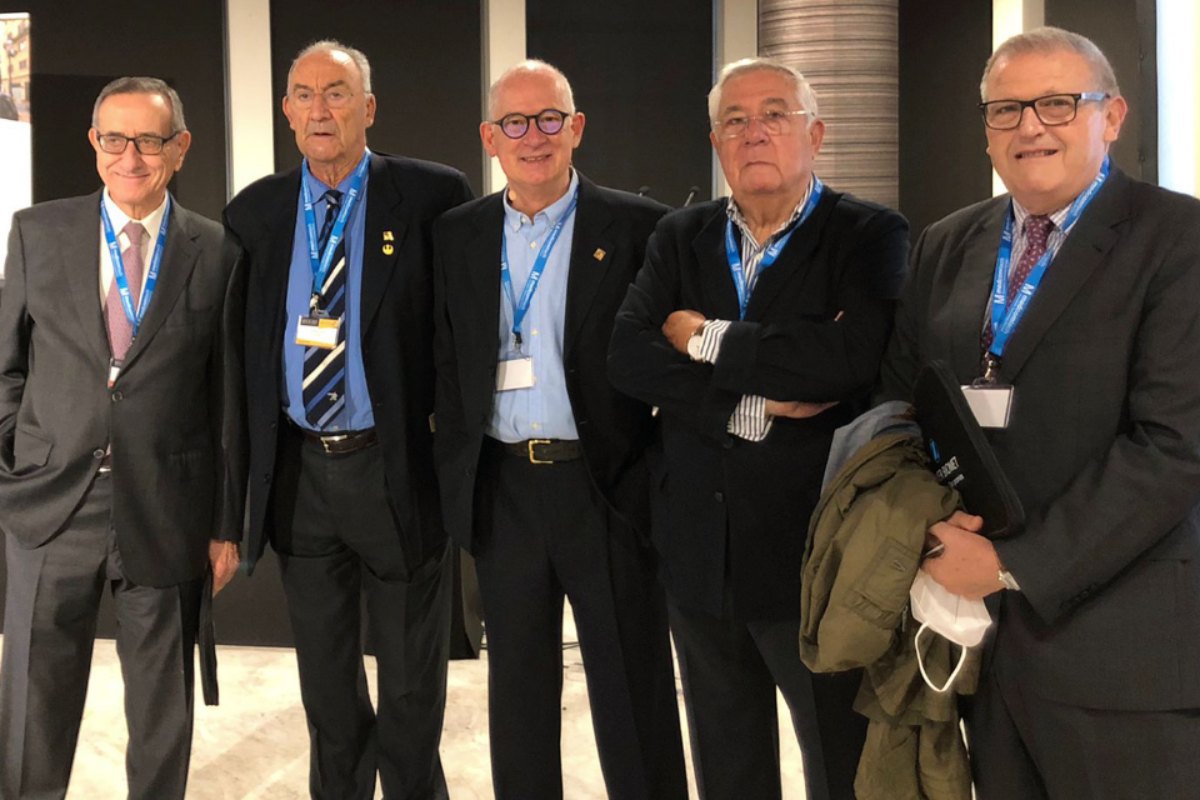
{"x": 333, "y": 198}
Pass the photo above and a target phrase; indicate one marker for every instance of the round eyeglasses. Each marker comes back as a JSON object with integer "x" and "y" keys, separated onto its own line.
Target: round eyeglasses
{"x": 335, "y": 97}
{"x": 147, "y": 144}
{"x": 1050, "y": 109}
{"x": 549, "y": 121}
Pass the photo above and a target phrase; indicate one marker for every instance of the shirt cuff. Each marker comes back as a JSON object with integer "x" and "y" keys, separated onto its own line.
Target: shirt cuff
{"x": 710, "y": 340}
{"x": 749, "y": 419}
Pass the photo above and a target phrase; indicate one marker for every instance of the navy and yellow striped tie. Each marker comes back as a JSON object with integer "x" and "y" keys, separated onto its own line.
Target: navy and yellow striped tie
{"x": 325, "y": 370}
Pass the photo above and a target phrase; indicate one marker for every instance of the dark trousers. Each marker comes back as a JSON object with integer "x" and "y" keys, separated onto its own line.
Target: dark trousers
{"x": 1026, "y": 746}
{"x": 730, "y": 670}
{"x": 336, "y": 536}
{"x": 51, "y": 603}
{"x": 542, "y": 533}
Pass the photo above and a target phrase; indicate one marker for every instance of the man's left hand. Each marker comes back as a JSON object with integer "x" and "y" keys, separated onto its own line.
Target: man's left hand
{"x": 680, "y": 326}
{"x": 224, "y": 559}
{"x": 969, "y": 566}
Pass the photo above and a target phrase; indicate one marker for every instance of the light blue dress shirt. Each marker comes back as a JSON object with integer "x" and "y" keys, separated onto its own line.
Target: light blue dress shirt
{"x": 357, "y": 414}
{"x": 542, "y": 411}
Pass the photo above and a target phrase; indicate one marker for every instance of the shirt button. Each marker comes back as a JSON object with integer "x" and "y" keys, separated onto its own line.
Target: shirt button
{"x": 533, "y": 245}
{"x": 534, "y": 332}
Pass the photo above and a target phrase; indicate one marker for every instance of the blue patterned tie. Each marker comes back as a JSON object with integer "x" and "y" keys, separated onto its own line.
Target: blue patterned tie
{"x": 325, "y": 370}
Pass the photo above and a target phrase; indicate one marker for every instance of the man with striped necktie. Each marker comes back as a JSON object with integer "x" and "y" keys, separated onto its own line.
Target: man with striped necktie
{"x": 340, "y": 383}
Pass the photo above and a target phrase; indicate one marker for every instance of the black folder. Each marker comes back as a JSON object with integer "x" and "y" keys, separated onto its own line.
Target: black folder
{"x": 959, "y": 452}
{"x": 208, "y": 644}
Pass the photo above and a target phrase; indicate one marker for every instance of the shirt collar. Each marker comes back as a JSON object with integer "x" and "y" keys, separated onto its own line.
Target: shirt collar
{"x": 119, "y": 219}
{"x": 318, "y": 188}
{"x": 1020, "y": 215}
{"x": 514, "y": 219}
{"x": 735, "y": 215}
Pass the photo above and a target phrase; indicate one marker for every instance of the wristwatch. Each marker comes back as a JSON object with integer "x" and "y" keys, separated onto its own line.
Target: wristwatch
{"x": 695, "y": 342}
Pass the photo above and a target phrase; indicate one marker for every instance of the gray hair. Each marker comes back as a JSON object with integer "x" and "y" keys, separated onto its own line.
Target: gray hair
{"x": 142, "y": 85}
{"x": 334, "y": 46}
{"x": 531, "y": 66}
{"x": 1054, "y": 40}
{"x": 805, "y": 95}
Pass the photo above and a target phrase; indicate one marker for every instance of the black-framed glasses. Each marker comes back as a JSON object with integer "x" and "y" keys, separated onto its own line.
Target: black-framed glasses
{"x": 549, "y": 121}
{"x": 147, "y": 144}
{"x": 775, "y": 122}
{"x": 1050, "y": 109}
{"x": 334, "y": 97}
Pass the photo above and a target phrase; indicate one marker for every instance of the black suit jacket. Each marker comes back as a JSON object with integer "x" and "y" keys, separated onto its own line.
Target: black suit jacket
{"x": 1103, "y": 445}
{"x": 173, "y": 417}
{"x": 730, "y": 512}
{"x": 404, "y": 196}
{"x": 611, "y": 229}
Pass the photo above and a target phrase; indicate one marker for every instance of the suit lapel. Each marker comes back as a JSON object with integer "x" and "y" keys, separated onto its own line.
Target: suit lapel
{"x": 720, "y": 296}
{"x": 81, "y": 258}
{"x": 591, "y": 255}
{"x": 179, "y": 259}
{"x": 1083, "y": 251}
{"x": 482, "y": 278}
{"x": 795, "y": 260}
{"x": 384, "y": 233}
{"x": 972, "y": 287}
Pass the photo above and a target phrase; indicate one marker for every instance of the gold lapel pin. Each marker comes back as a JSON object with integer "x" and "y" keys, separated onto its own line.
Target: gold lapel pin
{"x": 388, "y": 249}
{"x": 388, "y": 236}
{"x": 599, "y": 254}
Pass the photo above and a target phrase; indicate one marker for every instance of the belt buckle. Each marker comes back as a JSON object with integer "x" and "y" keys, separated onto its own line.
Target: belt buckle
{"x": 534, "y": 459}
{"x": 329, "y": 442}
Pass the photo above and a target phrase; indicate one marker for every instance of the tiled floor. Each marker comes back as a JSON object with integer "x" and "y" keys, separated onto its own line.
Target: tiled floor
{"x": 255, "y": 745}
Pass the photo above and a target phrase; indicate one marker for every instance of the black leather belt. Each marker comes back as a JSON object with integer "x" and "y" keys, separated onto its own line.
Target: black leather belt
{"x": 545, "y": 451}
{"x": 339, "y": 443}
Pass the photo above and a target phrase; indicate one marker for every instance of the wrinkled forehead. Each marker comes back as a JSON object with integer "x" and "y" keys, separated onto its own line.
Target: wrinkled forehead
{"x": 758, "y": 89}
{"x": 144, "y": 112}
{"x": 323, "y": 69}
{"x": 528, "y": 93}
{"x": 1023, "y": 76}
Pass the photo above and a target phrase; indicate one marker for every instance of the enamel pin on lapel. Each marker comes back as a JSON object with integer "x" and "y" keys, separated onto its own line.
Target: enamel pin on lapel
{"x": 388, "y": 238}
{"x": 599, "y": 254}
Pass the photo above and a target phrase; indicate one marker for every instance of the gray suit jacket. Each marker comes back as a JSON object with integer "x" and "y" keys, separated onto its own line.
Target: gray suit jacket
{"x": 173, "y": 417}
{"x": 1103, "y": 446}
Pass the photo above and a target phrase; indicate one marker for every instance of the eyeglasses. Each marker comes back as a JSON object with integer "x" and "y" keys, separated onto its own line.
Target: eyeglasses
{"x": 147, "y": 144}
{"x": 549, "y": 121}
{"x": 1050, "y": 109}
{"x": 335, "y": 97}
{"x": 775, "y": 123}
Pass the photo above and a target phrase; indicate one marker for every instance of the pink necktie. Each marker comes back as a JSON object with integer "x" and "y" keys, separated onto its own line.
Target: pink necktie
{"x": 120, "y": 331}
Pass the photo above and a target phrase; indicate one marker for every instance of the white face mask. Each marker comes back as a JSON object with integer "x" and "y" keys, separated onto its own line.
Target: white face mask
{"x": 956, "y": 618}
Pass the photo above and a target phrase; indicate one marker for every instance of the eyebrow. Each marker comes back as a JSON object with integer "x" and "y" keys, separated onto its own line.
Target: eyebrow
{"x": 339, "y": 82}
{"x": 779, "y": 101}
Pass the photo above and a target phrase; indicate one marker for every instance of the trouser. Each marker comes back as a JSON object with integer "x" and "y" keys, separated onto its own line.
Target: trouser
{"x": 337, "y": 538}
{"x": 52, "y": 599}
{"x": 730, "y": 670}
{"x": 543, "y": 533}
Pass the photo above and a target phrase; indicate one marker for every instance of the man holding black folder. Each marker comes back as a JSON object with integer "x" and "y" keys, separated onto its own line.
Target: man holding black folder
{"x": 1080, "y": 364}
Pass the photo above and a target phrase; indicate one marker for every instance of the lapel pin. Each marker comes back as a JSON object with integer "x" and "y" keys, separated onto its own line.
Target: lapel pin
{"x": 599, "y": 254}
{"x": 388, "y": 249}
{"x": 388, "y": 236}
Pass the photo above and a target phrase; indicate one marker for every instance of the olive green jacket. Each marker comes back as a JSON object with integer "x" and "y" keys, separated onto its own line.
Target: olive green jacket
{"x": 864, "y": 548}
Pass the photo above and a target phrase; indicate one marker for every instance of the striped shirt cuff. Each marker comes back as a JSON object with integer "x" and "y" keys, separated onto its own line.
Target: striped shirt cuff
{"x": 749, "y": 420}
{"x": 710, "y": 340}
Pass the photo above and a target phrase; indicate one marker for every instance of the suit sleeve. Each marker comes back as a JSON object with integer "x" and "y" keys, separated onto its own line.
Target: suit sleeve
{"x": 229, "y": 397}
{"x": 830, "y": 359}
{"x": 15, "y": 328}
{"x": 448, "y": 411}
{"x": 901, "y": 360}
{"x": 1127, "y": 500}
{"x": 644, "y": 365}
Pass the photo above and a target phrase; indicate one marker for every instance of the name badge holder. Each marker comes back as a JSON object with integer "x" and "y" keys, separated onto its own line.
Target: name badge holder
{"x": 990, "y": 400}
{"x": 517, "y": 373}
{"x": 317, "y": 328}
{"x": 122, "y": 280}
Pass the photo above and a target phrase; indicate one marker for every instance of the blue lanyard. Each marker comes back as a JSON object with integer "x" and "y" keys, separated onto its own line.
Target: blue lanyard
{"x": 118, "y": 266}
{"x": 1005, "y": 319}
{"x": 734, "y": 255}
{"x": 531, "y": 283}
{"x": 322, "y": 262}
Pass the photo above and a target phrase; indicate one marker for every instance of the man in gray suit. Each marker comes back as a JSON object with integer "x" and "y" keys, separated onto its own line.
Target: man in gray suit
{"x": 1091, "y": 683}
{"x": 118, "y": 409}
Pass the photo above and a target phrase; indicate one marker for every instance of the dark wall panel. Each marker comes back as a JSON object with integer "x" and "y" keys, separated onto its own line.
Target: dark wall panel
{"x": 78, "y": 47}
{"x": 425, "y": 72}
{"x": 943, "y": 161}
{"x": 641, "y": 73}
{"x": 1125, "y": 31}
